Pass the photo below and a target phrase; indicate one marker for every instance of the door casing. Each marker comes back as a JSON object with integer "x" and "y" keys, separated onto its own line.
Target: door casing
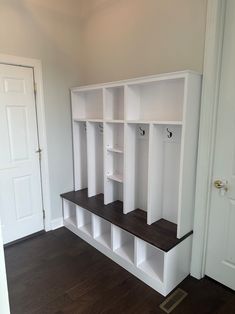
{"x": 209, "y": 104}
{"x": 36, "y": 65}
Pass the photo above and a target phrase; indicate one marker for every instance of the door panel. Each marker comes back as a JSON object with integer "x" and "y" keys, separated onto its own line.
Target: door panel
{"x": 220, "y": 259}
{"x": 21, "y": 207}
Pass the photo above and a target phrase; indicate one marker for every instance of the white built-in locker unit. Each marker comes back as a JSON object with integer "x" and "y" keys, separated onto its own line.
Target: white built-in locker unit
{"x": 135, "y": 141}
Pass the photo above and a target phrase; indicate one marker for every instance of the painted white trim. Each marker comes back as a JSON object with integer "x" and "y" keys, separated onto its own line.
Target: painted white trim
{"x": 4, "y": 299}
{"x": 211, "y": 80}
{"x": 57, "y": 223}
{"x": 37, "y": 67}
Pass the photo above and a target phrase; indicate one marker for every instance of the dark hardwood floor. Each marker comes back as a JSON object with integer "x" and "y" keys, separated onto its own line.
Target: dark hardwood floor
{"x": 59, "y": 273}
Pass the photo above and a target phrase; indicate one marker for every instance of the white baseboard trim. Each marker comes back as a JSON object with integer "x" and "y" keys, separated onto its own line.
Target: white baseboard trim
{"x": 57, "y": 223}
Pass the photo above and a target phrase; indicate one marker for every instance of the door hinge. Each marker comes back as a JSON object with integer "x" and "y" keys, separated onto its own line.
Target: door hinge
{"x": 39, "y": 152}
{"x": 35, "y": 87}
{"x": 44, "y": 214}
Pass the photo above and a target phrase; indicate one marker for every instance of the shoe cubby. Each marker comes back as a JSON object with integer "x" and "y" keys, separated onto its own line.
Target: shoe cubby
{"x": 135, "y": 153}
{"x": 160, "y": 100}
{"x": 102, "y": 231}
{"x": 95, "y": 158}
{"x": 150, "y": 260}
{"x": 136, "y": 167}
{"x": 114, "y": 103}
{"x": 84, "y": 221}
{"x": 164, "y": 172}
{"x": 88, "y": 104}
{"x": 123, "y": 244}
{"x": 69, "y": 212}
{"x": 80, "y": 155}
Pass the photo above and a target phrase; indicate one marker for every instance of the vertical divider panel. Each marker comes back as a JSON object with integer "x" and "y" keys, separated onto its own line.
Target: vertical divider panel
{"x": 129, "y": 168}
{"x": 154, "y": 212}
{"x": 95, "y": 158}
{"x": 80, "y": 155}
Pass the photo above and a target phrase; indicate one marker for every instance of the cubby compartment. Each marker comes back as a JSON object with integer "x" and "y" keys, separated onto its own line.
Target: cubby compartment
{"x": 84, "y": 220}
{"x": 136, "y": 167}
{"x": 123, "y": 244}
{"x": 95, "y": 158}
{"x": 114, "y": 137}
{"x": 150, "y": 259}
{"x": 164, "y": 172}
{"x": 160, "y": 100}
{"x": 80, "y": 155}
{"x": 88, "y": 104}
{"x": 114, "y": 103}
{"x": 69, "y": 211}
{"x": 102, "y": 231}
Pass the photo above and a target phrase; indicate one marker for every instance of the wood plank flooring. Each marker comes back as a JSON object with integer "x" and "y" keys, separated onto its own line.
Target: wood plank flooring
{"x": 57, "y": 273}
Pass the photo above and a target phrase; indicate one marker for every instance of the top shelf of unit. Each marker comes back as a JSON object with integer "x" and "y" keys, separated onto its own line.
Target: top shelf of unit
{"x": 130, "y": 121}
{"x": 137, "y": 80}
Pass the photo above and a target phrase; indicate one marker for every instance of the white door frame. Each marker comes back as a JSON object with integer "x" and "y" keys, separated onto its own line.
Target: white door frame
{"x": 209, "y": 104}
{"x": 36, "y": 65}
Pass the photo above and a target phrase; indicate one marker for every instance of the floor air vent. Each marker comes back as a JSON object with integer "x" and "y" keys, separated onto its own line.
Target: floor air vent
{"x": 173, "y": 300}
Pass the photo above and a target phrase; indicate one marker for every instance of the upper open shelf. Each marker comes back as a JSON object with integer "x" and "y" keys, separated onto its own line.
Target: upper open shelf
{"x": 114, "y": 104}
{"x": 155, "y": 101}
{"x": 88, "y": 105}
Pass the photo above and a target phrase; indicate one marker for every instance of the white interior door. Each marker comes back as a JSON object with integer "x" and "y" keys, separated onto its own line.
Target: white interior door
{"x": 220, "y": 261}
{"x": 21, "y": 208}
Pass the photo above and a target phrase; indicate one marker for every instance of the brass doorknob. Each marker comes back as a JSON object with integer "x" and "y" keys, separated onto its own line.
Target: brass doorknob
{"x": 219, "y": 184}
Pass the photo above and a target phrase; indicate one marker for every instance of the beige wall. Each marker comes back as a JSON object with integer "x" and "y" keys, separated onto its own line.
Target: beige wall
{"x": 128, "y": 38}
{"x": 87, "y": 41}
{"x": 48, "y": 30}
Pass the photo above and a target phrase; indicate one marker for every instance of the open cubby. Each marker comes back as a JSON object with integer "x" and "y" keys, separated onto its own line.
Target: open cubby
{"x": 163, "y": 190}
{"x": 84, "y": 220}
{"x": 114, "y": 103}
{"x": 69, "y": 210}
{"x": 150, "y": 259}
{"x": 123, "y": 244}
{"x": 102, "y": 231}
{"x": 114, "y": 137}
{"x": 136, "y": 163}
{"x": 88, "y": 104}
{"x": 95, "y": 158}
{"x": 158, "y": 100}
{"x": 80, "y": 155}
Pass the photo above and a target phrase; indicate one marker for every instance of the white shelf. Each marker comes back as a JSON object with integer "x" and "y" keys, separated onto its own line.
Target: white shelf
{"x": 114, "y": 121}
{"x": 102, "y": 231}
{"x": 114, "y": 103}
{"x": 150, "y": 259}
{"x": 123, "y": 244}
{"x": 69, "y": 211}
{"x": 118, "y": 150}
{"x": 154, "y": 122}
{"x": 104, "y": 239}
{"x": 116, "y": 177}
{"x": 87, "y": 105}
{"x": 87, "y": 229}
{"x": 126, "y": 251}
{"x": 84, "y": 220}
{"x": 71, "y": 220}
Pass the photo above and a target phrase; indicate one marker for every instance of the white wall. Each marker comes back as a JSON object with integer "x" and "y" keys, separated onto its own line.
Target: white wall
{"x": 87, "y": 41}
{"x": 129, "y": 38}
{"x": 48, "y": 30}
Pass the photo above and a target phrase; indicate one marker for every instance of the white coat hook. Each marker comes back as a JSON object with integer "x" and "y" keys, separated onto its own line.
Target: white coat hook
{"x": 101, "y": 128}
{"x": 142, "y": 131}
